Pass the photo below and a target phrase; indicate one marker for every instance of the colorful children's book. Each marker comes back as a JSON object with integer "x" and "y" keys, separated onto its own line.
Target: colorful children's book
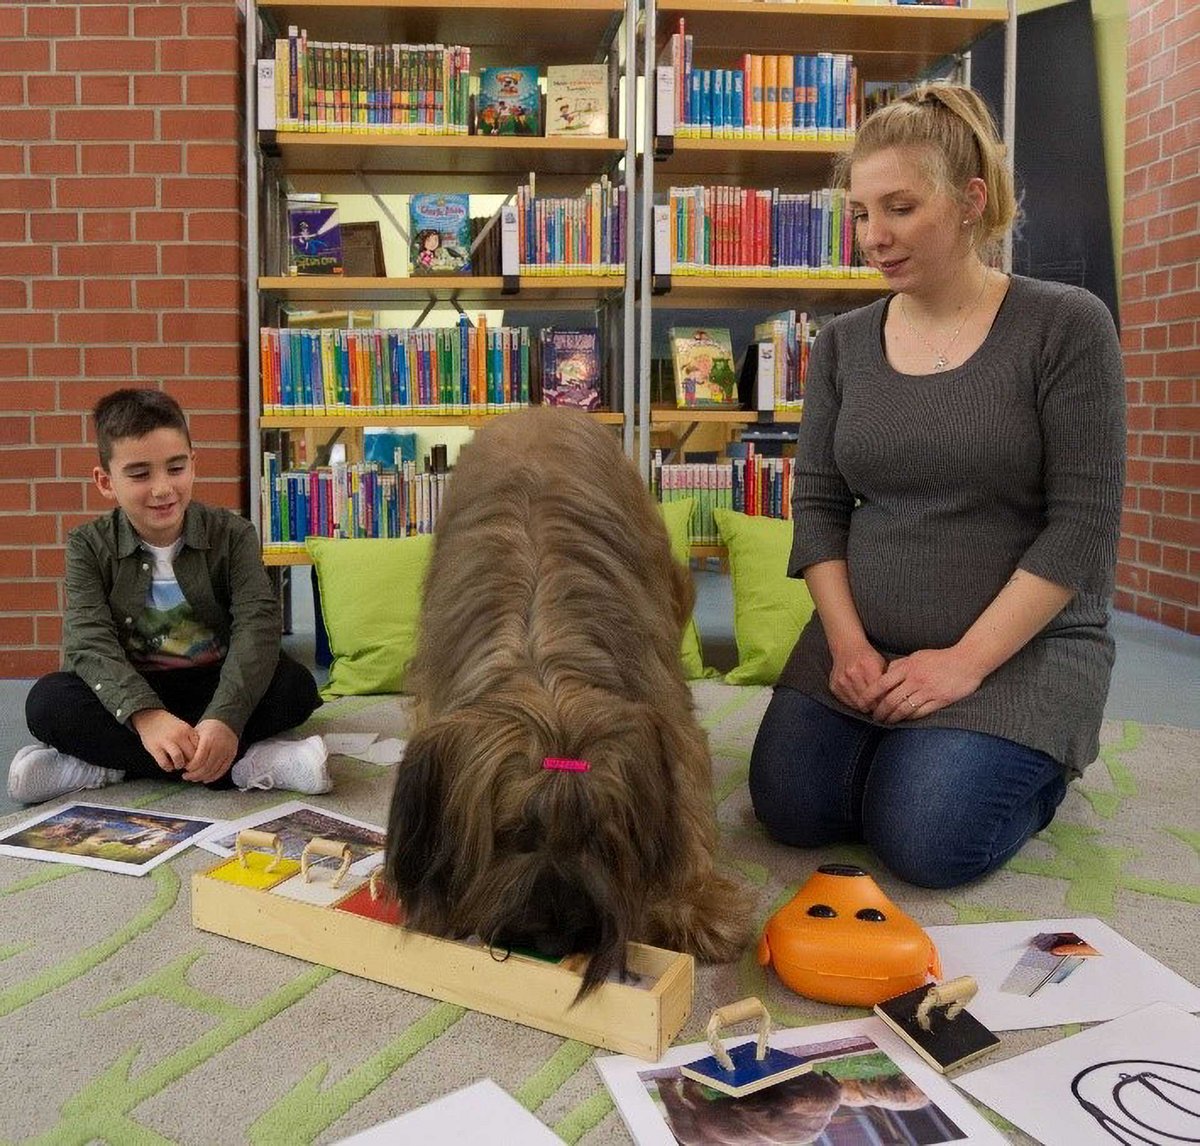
{"x": 440, "y": 233}
{"x": 704, "y": 373}
{"x": 571, "y": 368}
{"x": 509, "y": 102}
{"x": 314, "y": 239}
{"x": 577, "y": 99}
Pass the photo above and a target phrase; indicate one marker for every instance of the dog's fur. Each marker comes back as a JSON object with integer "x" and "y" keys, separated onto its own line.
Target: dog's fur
{"x": 550, "y": 627}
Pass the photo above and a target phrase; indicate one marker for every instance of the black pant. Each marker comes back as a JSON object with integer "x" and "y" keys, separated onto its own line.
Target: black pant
{"x": 62, "y": 711}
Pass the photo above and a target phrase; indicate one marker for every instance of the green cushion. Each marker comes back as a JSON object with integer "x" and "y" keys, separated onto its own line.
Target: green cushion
{"x": 677, "y": 516}
{"x": 371, "y": 601}
{"x": 769, "y": 607}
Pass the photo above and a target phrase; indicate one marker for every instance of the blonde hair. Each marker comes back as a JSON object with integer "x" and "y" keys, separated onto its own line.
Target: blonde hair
{"x": 952, "y": 131}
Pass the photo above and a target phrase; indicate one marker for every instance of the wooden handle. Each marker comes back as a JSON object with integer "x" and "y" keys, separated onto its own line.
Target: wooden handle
{"x": 333, "y": 849}
{"x": 375, "y": 883}
{"x": 249, "y": 839}
{"x": 743, "y": 1009}
{"x": 954, "y": 994}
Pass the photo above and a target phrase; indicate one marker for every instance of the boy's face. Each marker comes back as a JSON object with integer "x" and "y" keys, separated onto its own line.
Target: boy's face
{"x": 150, "y": 478}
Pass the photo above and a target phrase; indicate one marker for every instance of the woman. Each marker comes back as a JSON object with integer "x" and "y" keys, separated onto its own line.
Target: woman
{"x": 957, "y": 502}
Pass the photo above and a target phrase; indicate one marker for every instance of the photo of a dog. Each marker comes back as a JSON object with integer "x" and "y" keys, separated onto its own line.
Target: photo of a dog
{"x": 556, "y": 791}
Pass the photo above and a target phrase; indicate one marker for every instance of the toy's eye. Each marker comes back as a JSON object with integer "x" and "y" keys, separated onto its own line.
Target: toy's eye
{"x": 822, "y": 911}
{"x": 871, "y": 915}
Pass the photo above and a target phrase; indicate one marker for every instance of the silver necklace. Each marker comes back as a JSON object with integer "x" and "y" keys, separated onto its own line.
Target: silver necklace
{"x": 941, "y": 358}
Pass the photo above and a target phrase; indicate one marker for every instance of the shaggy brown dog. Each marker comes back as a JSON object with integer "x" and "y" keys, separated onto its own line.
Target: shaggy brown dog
{"x": 550, "y": 628}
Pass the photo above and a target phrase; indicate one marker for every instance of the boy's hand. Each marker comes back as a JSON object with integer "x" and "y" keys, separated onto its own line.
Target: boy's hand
{"x": 214, "y": 753}
{"x": 171, "y": 741}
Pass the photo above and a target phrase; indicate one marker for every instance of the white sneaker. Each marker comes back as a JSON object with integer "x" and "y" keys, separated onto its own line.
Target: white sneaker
{"x": 38, "y": 773}
{"x": 297, "y": 765}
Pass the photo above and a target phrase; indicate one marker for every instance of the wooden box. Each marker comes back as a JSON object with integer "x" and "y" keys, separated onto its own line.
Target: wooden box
{"x": 634, "y": 1018}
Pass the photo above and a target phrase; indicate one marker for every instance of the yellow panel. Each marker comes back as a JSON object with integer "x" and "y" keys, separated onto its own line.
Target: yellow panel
{"x": 255, "y": 873}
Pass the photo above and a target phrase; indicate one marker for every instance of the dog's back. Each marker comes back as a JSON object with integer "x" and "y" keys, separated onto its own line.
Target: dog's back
{"x": 550, "y": 556}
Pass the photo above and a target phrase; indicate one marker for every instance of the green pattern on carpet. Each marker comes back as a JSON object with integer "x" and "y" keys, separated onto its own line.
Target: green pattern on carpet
{"x": 133, "y": 1027}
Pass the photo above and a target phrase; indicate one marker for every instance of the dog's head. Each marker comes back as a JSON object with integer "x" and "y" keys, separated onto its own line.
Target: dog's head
{"x": 483, "y": 838}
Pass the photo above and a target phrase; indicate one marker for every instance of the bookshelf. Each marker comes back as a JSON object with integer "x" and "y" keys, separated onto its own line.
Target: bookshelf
{"x": 307, "y": 159}
{"x": 888, "y": 43}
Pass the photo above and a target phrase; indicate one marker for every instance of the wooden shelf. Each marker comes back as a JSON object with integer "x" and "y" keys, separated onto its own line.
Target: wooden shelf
{"x": 349, "y": 420}
{"x": 446, "y": 156}
{"x": 769, "y": 291}
{"x": 497, "y": 31}
{"x": 670, "y": 415}
{"x": 888, "y": 42}
{"x": 789, "y": 163}
{"x": 443, "y": 288}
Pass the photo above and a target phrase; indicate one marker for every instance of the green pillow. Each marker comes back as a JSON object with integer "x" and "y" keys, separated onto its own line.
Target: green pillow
{"x": 371, "y": 602}
{"x": 769, "y": 607}
{"x": 677, "y": 516}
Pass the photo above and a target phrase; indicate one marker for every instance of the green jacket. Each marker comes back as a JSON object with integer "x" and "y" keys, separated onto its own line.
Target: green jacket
{"x": 220, "y": 571}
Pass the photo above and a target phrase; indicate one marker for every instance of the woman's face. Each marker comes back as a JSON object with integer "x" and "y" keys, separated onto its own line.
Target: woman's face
{"x": 905, "y": 226}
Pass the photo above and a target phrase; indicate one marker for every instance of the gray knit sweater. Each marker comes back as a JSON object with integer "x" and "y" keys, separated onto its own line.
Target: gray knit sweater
{"x": 935, "y": 488}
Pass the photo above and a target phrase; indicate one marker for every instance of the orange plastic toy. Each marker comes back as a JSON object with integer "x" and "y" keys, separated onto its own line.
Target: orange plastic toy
{"x": 841, "y": 940}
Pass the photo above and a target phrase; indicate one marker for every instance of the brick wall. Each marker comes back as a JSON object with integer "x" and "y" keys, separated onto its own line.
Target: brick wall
{"x": 1159, "y": 573}
{"x": 121, "y": 263}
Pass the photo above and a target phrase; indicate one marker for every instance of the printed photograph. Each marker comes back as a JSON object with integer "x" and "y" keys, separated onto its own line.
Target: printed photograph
{"x": 296, "y": 824}
{"x": 125, "y": 840}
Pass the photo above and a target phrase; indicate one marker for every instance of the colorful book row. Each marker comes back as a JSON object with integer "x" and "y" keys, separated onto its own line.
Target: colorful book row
{"x": 584, "y": 234}
{"x": 742, "y": 230}
{"x": 421, "y": 89}
{"x": 755, "y": 485}
{"x": 360, "y": 499}
{"x": 447, "y": 370}
{"x": 791, "y": 336}
{"x": 787, "y": 96}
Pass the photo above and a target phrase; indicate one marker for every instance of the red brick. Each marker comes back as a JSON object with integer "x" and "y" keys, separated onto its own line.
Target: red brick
{"x": 76, "y": 463}
{"x": 104, "y": 159}
{"x": 12, "y": 159}
{"x": 25, "y": 56}
{"x": 48, "y": 631}
{"x": 16, "y": 631}
{"x": 51, "y": 23}
{"x": 187, "y": 125}
{"x": 23, "y": 194}
{"x": 106, "y": 227}
{"x": 53, "y": 227}
{"x": 107, "y": 294}
{"x": 223, "y": 391}
{"x": 105, "y": 56}
{"x": 84, "y": 395}
{"x": 187, "y": 55}
{"x": 27, "y": 259}
{"x": 56, "y": 294}
{"x": 213, "y": 428}
{"x": 214, "y": 227}
{"x": 50, "y": 562}
{"x": 214, "y": 294}
{"x": 15, "y": 430}
{"x": 160, "y": 361}
{"x": 161, "y": 294}
{"x": 1182, "y": 475}
{"x": 1177, "y": 589}
{"x": 219, "y": 362}
{"x": 50, "y": 90}
{"x": 191, "y": 328}
{"x": 16, "y": 562}
{"x": 1178, "y": 363}
{"x": 104, "y": 91}
{"x": 111, "y": 192}
{"x": 30, "y": 596}
{"x": 158, "y": 91}
{"x": 86, "y": 329}
{"x": 193, "y": 192}
{"x": 156, "y": 23}
{"x": 59, "y": 496}
{"x": 106, "y": 259}
{"x": 17, "y": 664}
{"x": 53, "y": 159}
{"x": 131, "y": 124}
{"x": 202, "y": 259}
{"x": 109, "y": 361}
{"x": 58, "y": 429}
{"x": 158, "y": 226}
{"x": 26, "y": 464}
{"x": 213, "y": 159}
{"x": 104, "y": 20}
{"x": 231, "y": 494}
{"x": 214, "y": 90}
{"x": 14, "y": 294}
{"x": 30, "y": 328}
{"x": 157, "y": 158}
{"x": 54, "y": 361}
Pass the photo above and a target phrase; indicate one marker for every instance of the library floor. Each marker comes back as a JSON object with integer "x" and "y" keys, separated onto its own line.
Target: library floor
{"x": 1156, "y": 679}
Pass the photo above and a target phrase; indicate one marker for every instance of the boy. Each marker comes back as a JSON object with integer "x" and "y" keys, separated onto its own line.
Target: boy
{"x": 171, "y": 636}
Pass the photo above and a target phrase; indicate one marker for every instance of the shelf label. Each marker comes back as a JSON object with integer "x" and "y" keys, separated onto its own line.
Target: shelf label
{"x": 662, "y": 239}
{"x": 664, "y": 101}
{"x": 266, "y": 95}
{"x": 510, "y": 256}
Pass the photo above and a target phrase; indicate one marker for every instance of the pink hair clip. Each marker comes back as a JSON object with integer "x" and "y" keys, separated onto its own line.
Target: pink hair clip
{"x": 559, "y": 764}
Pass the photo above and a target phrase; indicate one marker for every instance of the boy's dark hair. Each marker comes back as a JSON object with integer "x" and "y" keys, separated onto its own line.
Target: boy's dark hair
{"x": 134, "y": 414}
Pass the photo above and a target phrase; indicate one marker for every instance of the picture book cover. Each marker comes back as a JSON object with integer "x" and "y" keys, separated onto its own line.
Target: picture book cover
{"x": 577, "y": 99}
{"x": 314, "y": 239}
{"x": 440, "y": 233}
{"x": 509, "y": 101}
{"x": 571, "y": 368}
{"x": 703, "y": 361}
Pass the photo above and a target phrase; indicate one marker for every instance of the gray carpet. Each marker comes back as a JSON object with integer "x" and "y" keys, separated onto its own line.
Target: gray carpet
{"x": 124, "y": 1024}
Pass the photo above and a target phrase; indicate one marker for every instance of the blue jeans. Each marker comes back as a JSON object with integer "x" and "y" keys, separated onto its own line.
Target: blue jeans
{"x": 937, "y": 806}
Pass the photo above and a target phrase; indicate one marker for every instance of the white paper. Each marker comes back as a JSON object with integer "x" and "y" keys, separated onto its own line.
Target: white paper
{"x": 129, "y": 841}
{"x": 958, "y": 1120}
{"x": 478, "y": 1113}
{"x": 1135, "y": 1079}
{"x": 1122, "y": 978}
{"x": 365, "y": 746}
